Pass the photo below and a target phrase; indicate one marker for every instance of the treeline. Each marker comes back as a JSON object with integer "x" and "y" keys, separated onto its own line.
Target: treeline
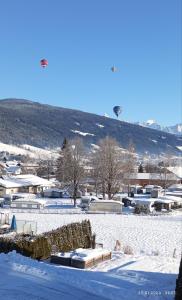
{"x": 107, "y": 166}
{"x": 104, "y": 166}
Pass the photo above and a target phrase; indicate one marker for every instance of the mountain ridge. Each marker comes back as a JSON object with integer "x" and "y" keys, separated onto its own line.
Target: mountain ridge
{"x": 174, "y": 129}
{"x": 27, "y": 122}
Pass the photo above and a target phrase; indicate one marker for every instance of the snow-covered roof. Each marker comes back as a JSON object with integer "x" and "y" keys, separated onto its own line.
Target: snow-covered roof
{"x": 151, "y": 176}
{"x": 177, "y": 187}
{"x": 24, "y": 195}
{"x": 143, "y": 200}
{"x": 107, "y": 201}
{"x": 149, "y": 186}
{"x": 135, "y": 186}
{"x": 175, "y": 193}
{"x": 83, "y": 254}
{"x": 11, "y": 163}
{"x": 166, "y": 201}
{"x": 23, "y": 180}
{"x": 55, "y": 190}
{"x": 27, "y": 201}
{"x": 170, "y": 197}
{"x": 176, "y": 170}
{"x": 13, "y": 169}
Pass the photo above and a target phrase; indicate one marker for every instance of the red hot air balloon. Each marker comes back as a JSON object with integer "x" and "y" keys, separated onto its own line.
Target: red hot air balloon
{"x": 44, "y": 63}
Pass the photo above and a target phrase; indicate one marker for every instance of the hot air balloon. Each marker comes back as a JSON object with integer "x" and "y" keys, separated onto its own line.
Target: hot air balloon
{"x": 44, "y": 62}
{"x": 113, "y": 69}
{"x": 117, "y": 110}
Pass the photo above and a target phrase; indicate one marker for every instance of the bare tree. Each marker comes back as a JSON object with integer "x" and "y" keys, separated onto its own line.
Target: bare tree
{"x": 45, "y": 168}
{"x": 70, "y": 165}
{"x": 166, "y": 176}
{"x": 95, "y": 171}
{"x": 107, "y": 166}
{"x": 130, "y": 163}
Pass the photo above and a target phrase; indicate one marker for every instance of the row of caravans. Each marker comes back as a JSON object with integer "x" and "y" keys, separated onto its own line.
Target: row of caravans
{"x": 156, "y": 201}
{"x": 159, "y": 204}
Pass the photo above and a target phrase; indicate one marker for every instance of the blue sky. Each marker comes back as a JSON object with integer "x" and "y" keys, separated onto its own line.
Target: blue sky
{"x": 82, "y": 39}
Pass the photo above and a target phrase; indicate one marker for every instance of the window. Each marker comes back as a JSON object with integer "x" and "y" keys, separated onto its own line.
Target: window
{"x": 24, "y": 205}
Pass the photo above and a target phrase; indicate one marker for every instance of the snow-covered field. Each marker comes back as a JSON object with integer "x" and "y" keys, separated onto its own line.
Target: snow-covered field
{"x": 33, "y": 152}
{"x": 145, "y": 234}
{"x": 149, "y": 273}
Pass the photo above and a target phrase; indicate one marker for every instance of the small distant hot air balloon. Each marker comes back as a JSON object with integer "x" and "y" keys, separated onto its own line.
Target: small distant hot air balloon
{"x": 114, "y": 69}
{"x": 117, "y": 110}
{"x": 44, "y": 63}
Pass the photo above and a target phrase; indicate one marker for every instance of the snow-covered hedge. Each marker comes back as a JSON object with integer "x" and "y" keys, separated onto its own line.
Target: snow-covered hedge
{"x": 65, "y": 238}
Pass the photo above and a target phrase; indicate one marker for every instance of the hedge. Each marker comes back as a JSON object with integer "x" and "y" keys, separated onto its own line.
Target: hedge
{"x": 65, "y": 238}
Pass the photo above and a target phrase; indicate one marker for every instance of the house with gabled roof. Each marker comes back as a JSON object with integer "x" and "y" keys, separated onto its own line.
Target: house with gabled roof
{"x": 26, "y": 183}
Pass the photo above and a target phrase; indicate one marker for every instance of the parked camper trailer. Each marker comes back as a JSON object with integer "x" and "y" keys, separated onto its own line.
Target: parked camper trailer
{"x": 56, "y": 193}
{"x": 26, "y": 204}
{"x": 136, "y": 189}
{"x": 86, "y": 200}
{"x": 110, "y": 206}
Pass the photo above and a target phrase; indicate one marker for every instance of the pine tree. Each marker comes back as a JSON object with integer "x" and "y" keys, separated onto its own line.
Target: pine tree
{"x": 140, "y": 168}
{"x": 64, "y": 144}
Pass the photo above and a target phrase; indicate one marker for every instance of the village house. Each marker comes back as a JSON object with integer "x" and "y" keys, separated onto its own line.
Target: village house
{"x": 177, "y": 170}
{"x": 23, "y": 184}
{"x": 152, "y": 179}
{"x": 10, "y": 167}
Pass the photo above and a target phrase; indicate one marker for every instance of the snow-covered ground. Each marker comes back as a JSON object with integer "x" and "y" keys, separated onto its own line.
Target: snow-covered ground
{"x": 145, "y": 234}
{"x": 149, "y": 273}
{"x": 33, "y": 152}
{"x": 82, "y": 133}
{"x": 124, "y": 277}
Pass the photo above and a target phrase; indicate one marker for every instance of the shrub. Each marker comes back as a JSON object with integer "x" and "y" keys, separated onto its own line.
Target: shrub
{"x": 155, "y": 253}
{"x": 141, "y": 209}
{"x": 128, "y": 250}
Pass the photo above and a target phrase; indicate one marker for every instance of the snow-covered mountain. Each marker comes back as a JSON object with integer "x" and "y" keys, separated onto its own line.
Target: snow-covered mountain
{"x": 24, "y": 122}
{"x": 176, "y": 129}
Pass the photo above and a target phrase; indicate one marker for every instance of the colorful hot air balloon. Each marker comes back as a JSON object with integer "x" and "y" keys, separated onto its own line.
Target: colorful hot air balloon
{"x": 113, "y": 69}
{"x": 44, "y": 62}
{"x": 117, "y": 110}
